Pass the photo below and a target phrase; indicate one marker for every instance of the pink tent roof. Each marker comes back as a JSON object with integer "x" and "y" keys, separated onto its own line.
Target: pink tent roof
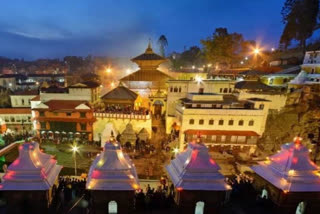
{"x": 112, "y": 170}
{"x": 291, "y": 169}
{"x": 193, "y": 169}
{"x": 32, "y": 170}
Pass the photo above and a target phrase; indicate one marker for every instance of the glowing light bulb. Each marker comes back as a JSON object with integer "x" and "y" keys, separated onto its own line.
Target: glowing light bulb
{"x": 291, "y": 172}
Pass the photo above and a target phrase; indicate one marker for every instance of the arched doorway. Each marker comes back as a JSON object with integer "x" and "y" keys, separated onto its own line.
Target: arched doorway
{"x": 112, "y": 207}
{"x": 158, "y": 107}
{"x": 199, "y": 207}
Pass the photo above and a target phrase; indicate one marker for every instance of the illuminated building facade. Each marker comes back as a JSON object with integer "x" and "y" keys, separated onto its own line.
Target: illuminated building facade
{"x": 148, "y": 80}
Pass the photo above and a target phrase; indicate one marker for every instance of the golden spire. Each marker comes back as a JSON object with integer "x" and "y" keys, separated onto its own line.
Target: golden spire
{"x": 149, "y": 49}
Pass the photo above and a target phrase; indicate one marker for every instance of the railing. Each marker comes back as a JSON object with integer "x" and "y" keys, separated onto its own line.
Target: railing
{"x": 131, "y": 116}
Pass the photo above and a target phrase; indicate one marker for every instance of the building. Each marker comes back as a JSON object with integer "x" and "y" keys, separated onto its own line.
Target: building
{"x": 178, "y": 89}
{"x": 22, "y": 98}
{"x": 281, "y": 78}
{"x": 30, "y": 181}
{"x": 122, "y": 109}
{"x": 199, "y": 186}
{"x": 290, "y": 178}
{"x": 8, "y": 81}
{"x": 121, "y": 98}
{"x": 245, "y": 90}
{"x": 189, "y": 73}
{"x": 63, "y": 120}
{"x": 148, "y": 80}
{"x": 112, "y": 181}
{"x": 88, "y": 90}
{"x": 17, "y": 120}
{"x": 311, "y": 62}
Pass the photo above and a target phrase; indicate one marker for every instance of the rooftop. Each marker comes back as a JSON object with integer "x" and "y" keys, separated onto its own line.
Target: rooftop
{"x": 253, "y": 85}
{"x": 291, "y": 170}
{"x": 32, "y": 170}
{"x": 194, "y": 169}
{"x": 120, "y": 93}
{"x": 112, "y": 170}
{"x": 65, "y": 105}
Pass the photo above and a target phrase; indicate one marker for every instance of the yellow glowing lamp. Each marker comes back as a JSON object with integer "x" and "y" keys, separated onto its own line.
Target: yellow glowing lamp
{"x": 256, "y": 51}
{"x": 291, "y": 172}
{"x": 135, "y": 186}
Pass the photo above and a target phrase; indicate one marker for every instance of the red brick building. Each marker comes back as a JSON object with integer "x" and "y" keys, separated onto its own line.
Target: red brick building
{"x": 63, "y": 120}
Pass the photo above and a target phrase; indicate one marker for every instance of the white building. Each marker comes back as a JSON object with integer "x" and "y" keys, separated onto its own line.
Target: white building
{"x": 17, "y": 119}
{"x": 178, "y": 89}
{"x": 22, "y": 98}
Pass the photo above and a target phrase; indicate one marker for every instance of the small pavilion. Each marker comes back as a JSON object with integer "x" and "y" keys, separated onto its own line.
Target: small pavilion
{"x": 112, "y": 181}
{"x": 30, "y": 180}
{"x": 290, "y": 177}
{"x": 200, "y": 187}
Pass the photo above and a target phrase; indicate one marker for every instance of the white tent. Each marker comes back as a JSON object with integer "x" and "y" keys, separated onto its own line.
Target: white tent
{"x": 291, "y": 169}
{"x": 194, "y": 169}
{"x": 32, "y": 170}
{"x": 112, "y": 170}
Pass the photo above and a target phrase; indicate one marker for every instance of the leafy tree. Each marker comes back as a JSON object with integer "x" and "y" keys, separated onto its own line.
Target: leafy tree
{"x": 188, "y": 58}
{"x": 300, "y": 19}
{"x": 163, "y": 43}
{"x": 225, "y": 48}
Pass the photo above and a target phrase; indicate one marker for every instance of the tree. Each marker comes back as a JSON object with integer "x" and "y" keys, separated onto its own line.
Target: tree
{"x": 163, "y": 43}
{"x": 300, "y": 19}
{"x": 188, "y": 58}
{"x": 225, "y": 48}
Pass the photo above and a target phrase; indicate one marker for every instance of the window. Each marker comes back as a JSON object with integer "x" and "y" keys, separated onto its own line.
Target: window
{"x": 179, "y": 89}
{"x": 12, "y": 119}
{"x": 171, "y": 89}
{"x": 230, "y": 90}
{"x": 82, "y": 114}
{"x": 230, "y": 123}
{"x": 29, "y": 119}
{"x": 223, "y": 138}
{"x": 211, "y": 122}
{"x": 214, "y": 138}
{"x": 41, "y": 113}
{"x": 22, "y": 102}
{"x": 240, "y": 123}
{"x": 83, "y": 126}
{"x": 220, "y": 122}
{"x": 271, "y": 82}
{"x": 201, "y": 122}
{"x": 198, "y": 105}
{"x": 251, "y": 122}
{"x": 233, "y": 139}
{"x": 68, "y": 113}
{"x": 201, "y": 90}
{"x": 225, "y": 90}
{"x": 175, "y": 89}
{"x": 43, "y": 125}
{"x": 191, "y": 121}
{"x": 261, "y": 106}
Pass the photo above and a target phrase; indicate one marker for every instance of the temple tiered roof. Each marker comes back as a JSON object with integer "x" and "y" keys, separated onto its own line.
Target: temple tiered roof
{"x": 32, "y": 170}
{"x": 291, "y": 169}
{"x": 112, "y": 170}
{"x": 194, "y": 169}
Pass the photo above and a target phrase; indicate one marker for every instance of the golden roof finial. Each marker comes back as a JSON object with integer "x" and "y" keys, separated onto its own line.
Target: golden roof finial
{"x": 149, "y": 49}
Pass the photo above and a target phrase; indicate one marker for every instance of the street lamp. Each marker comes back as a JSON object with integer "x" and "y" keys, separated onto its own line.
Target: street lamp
{"x": 108, "y": 70}
{"x": 256, "y": 51}
{"x": 175, "y": 151}
{"x": 75, "y": 149}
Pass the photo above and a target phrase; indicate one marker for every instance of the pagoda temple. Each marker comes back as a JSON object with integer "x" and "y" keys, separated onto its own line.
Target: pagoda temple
{"x": 112, "y": 181}
{"x": 200, "y": 187}
{"x": 148, "y": 80}
{"x": 290, "y": 177}
{"x": 29, "y": 180}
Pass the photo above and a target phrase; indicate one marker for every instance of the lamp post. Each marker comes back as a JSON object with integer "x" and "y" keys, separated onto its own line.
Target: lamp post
{"x": 75, "y": 149}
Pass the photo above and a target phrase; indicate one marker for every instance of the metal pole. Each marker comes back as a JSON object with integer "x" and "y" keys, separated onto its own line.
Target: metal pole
{"x": 75, "y": 163}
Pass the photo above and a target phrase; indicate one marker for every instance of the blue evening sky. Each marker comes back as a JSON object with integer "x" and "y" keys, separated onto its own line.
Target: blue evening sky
{"x": 121, "y": 28}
